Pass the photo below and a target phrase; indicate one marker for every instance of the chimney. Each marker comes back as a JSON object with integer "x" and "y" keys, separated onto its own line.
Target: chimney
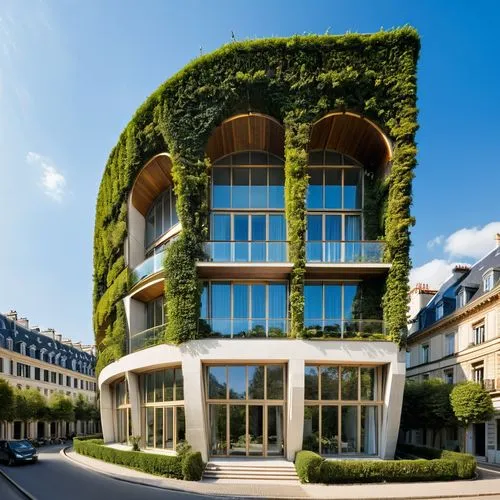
{"x": 50, "y": 333}
{"x": 12, "y": 315}
{"x": 24, "y": 323}
{"x": 497, "y": 239}
{"x": 35, "y": 329}
{"x": 58, "y": 337}
{"x": 460, "y": 269}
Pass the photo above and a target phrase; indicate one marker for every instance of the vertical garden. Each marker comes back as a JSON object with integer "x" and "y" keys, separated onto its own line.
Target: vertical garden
{"x": 296, "y": 80}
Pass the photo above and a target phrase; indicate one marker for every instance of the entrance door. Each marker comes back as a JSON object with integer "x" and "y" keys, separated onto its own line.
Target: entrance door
{"x": 480, "y": 439}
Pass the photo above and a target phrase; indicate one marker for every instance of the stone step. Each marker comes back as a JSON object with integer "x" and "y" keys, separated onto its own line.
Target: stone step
{"x": 258, "y": 477}
{"x": 251, "y": 471}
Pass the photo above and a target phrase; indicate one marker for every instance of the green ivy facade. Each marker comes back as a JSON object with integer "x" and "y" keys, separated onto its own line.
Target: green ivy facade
{"x": 295, "y": 80}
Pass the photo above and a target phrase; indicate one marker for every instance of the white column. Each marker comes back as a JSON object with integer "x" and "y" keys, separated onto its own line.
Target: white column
{"x": 107, "y": 414}
{"x": 134, "y": 394}
{"x": 393, "y": 401}
{"x": 194, "y": 405}
{"x": 295, "y": 413}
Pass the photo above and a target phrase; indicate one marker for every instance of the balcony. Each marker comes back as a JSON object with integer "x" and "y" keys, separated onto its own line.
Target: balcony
{"x": 245, "y": 259}
{"x": 344, "y": 329}
{"x": 243, "y": 328}
{"x": 147, "y": 268}
{"x": 342, "y": 259}
{"x": 146, "y": 338}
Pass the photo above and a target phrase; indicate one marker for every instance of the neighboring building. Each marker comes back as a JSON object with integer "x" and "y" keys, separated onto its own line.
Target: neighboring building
{"x": 456, "y": 337}
{"x": 44, "y": 361}
{"x": 255, "y": 336}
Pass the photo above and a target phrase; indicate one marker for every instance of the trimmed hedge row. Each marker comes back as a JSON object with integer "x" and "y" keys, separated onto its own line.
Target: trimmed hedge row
{"x": 93, "y": 437}
{"x": 312, "y": 468}
{"x": 189, "y": 467}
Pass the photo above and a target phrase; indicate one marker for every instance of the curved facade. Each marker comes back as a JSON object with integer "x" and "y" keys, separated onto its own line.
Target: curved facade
{"x": 251, "y": 252}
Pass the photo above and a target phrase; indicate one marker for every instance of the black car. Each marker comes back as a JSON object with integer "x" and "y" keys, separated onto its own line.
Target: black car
{"x": 19, "y": 451}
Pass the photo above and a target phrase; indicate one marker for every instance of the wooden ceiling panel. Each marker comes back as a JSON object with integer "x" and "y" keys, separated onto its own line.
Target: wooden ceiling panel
{"x": 152, "y": 180}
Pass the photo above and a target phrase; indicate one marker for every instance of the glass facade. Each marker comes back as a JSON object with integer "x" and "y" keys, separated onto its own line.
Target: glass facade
{"x": 342, "y": 408}
{"x": 246, "y": 405}
{"x": 163, "y": 408}
{"x": 244, "y": 309}
{"x": 161, "y": 216}
{"x": 122, "y": 411}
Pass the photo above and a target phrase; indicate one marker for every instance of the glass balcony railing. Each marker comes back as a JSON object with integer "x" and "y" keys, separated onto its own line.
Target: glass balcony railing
{"x": 246, "y": 251}
{"x": 243, "y": 328}
{"x": 345, "y": 252}
{"x": 147, "y": 338}
{"x": 150, "y": 266}
{"x": 338, "y": 328}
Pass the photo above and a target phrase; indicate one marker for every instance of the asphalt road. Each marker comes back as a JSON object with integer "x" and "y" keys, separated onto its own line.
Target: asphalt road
{"x": 55, "y": 478}
{"x": 9, "y": 492}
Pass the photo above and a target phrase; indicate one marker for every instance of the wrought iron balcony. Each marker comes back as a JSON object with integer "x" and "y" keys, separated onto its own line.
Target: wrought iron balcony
{"x": 345, "y": 252}
{"x": 243, "y": 327}
{"x": 246, "y": 251}
{"x": 147, "y": 338}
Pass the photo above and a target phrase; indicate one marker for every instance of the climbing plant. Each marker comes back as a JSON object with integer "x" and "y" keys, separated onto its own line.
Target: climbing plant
{"x": 296, "y": 80}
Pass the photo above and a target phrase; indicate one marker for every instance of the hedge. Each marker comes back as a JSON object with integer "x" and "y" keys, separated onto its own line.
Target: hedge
{"x": 189, "y": 468}
{"x": 312, "y": 468}
{"x": 296, "y": 80}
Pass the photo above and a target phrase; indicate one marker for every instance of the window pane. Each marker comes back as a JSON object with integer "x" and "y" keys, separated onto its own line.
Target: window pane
{"x": 329, "y": 430}
{"x": 221, "y": 300}
{"x": 204, "y": 301}
{"x": 158, "y": 377}
{"x": 237, "y": 382}
{"x": 367, "y": 383}
{"x": 277, "y": 300}
{"x": 369, "y": 426}
{"x": 329, "y": 382}
{"x": 352, "y": 188}
{"x": 313, "y": 302}
{"x": 169, "y": 428}
{"x": 315, "y": 188}
{"x": 275, "y": 432}
{"x": 310, "y": 437}
{"x": 276, "y": 188}
{"x": 316, "y": 157}
{"x": 256, "y": 382}
{"x": 159, "y": 218}
{"x": 150, "y": 426}
{"x": 221, "y": 188}
{"x": 258, "y": 228}
{"x": 241, "y": 234}
{"x": 333, "y": 302}
{"x": 159, "y": 427}
{"x": 218, "y": 420}
{"x": 333, "y": 188}
{"x": 150, "y": 228}
{"x": 258, "y": 301}
{"x": 311, "y": 381}
{"x": 256, "y": 430}
{"x": 352, "y": 228}
{"x": 169, "y": 384}
{"x": 275, "y": 382}
{"x": 150, "y": 388}
{"x": 258, "y": 191}
{"x": 240, "y": 301}
{"x": 314, "y": 227}
{"x": 217, "y": 382}
{"x": 179, "y": 384}
{"x": 350, "y": 300}
{"x": 221, "y": 227}
{"x": 237, "y": 430}
{"x": 175, "y": 218}
{"x": 241, "y": 189}
{"x": 258, "y": 158}
{"x": 333, "y": 158}
{"x": 181, "y": 424}
{"x": 349, "y": 429}
{"x": 167, "y": 222}
{"x": 349, "y": 383}
{"x": 241, "y": 158}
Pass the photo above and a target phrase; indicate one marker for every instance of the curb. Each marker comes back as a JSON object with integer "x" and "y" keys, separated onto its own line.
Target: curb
{"x": 18, "y": 487}
{"x": 131, "y": 481}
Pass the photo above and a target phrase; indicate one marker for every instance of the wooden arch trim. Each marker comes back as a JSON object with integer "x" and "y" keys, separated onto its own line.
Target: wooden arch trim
{"x": 154, "y": 178}
{"x": 353, "y": 135}
{"x": 247, "y": 132}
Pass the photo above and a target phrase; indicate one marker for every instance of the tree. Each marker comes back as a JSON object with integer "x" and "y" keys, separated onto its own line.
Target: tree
{"x": 6, "y": 403}
{"x": 471, "y": 404}
{"x": 29, "y": 405}
{"x": 61, "y": 409}
{"x": 84, "y": 410}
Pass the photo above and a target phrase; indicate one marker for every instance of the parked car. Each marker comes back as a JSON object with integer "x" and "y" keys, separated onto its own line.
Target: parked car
{"x": 19, "y": 451}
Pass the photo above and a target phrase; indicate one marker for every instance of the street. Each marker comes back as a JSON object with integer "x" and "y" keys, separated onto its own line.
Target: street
{"x": 55, "y": 478}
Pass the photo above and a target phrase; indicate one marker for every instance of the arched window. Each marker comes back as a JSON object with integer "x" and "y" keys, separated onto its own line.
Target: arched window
{"x": 32, "y": 351}
{"x": 22, "y": 348}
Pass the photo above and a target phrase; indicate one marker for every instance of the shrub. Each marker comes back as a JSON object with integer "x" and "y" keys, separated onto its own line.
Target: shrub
{"x": 89, "y": 437}
{"x": 307, "y": 464}
{"x": 192, "y": 466}
{"x": 160, "y": 465}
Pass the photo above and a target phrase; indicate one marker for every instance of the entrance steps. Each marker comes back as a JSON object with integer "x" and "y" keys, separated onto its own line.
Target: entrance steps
{"x": 251, "y": 469}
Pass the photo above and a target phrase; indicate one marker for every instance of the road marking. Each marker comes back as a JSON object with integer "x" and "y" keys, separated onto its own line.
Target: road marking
{"x": 489, "y": 470}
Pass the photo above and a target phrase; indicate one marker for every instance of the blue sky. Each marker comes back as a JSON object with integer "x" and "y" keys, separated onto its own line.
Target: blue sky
{"x": 73, "y": 73}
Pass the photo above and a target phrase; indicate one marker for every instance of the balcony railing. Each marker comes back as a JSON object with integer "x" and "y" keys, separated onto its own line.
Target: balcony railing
{"x": 147, "y": 338}
{"x": 246, "y": 251}
{"x": 345, "y": 252}
{"x": 243, "y": 328}
{"x": 343, "y": 329}
{"x": 150, "y": 266}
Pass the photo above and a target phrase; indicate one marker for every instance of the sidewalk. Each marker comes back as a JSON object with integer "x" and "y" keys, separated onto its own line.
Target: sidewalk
{"x": 483, "y": 488}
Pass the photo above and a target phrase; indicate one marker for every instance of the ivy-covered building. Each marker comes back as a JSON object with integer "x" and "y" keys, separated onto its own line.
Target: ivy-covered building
{"x": 251, "y": 251}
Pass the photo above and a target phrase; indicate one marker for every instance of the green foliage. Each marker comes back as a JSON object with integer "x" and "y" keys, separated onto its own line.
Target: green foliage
{"x": 29, "y": 405}
{"x": 7, "y": 401}
{"x": 83, "y": 410}
{"x": 160, "y": 465}
{"x": 192, "y": 466}
{"x": 297, "y": 80}
{"x": 135, "y": 441}
{"x": 436, "y": 465}
{"x": 61, "y": 407}
{"x": 471, "y": 403}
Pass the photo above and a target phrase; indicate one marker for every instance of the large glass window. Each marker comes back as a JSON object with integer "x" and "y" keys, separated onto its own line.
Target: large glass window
{"x": 155, "y": 313}
{"x": 342, "y": 407}
{"x": 248, "y": 180}
{"x": 331, "y": 308}
{"x": 122, "y": 411}
{"x": 163, "y": 404}
{"x": 239, "y": 309}
{"x": 161, "y": 216}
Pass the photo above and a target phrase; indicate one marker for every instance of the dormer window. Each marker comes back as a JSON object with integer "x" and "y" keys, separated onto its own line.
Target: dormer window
{"x": 22, "y": 349}
{"x": 32, "y": 351}
{"x": 42, "y": 354}
{"x": 10, "y": 344}
{"x": 488, "y": 282}
{"x": 51, "y": 357}
{"x": 462, "y": 298}
{"x": 439, "y": 311}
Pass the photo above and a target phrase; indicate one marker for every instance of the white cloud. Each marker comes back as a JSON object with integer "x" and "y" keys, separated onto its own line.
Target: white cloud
{"x": 432, "y": 273}
{"x": 52, "y": 181}
{"x": 435, "y": 242}
{"x": 474, "y": 242}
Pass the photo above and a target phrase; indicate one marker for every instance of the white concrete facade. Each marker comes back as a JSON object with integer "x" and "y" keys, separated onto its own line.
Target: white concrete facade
{"x": 193, "y": 356}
